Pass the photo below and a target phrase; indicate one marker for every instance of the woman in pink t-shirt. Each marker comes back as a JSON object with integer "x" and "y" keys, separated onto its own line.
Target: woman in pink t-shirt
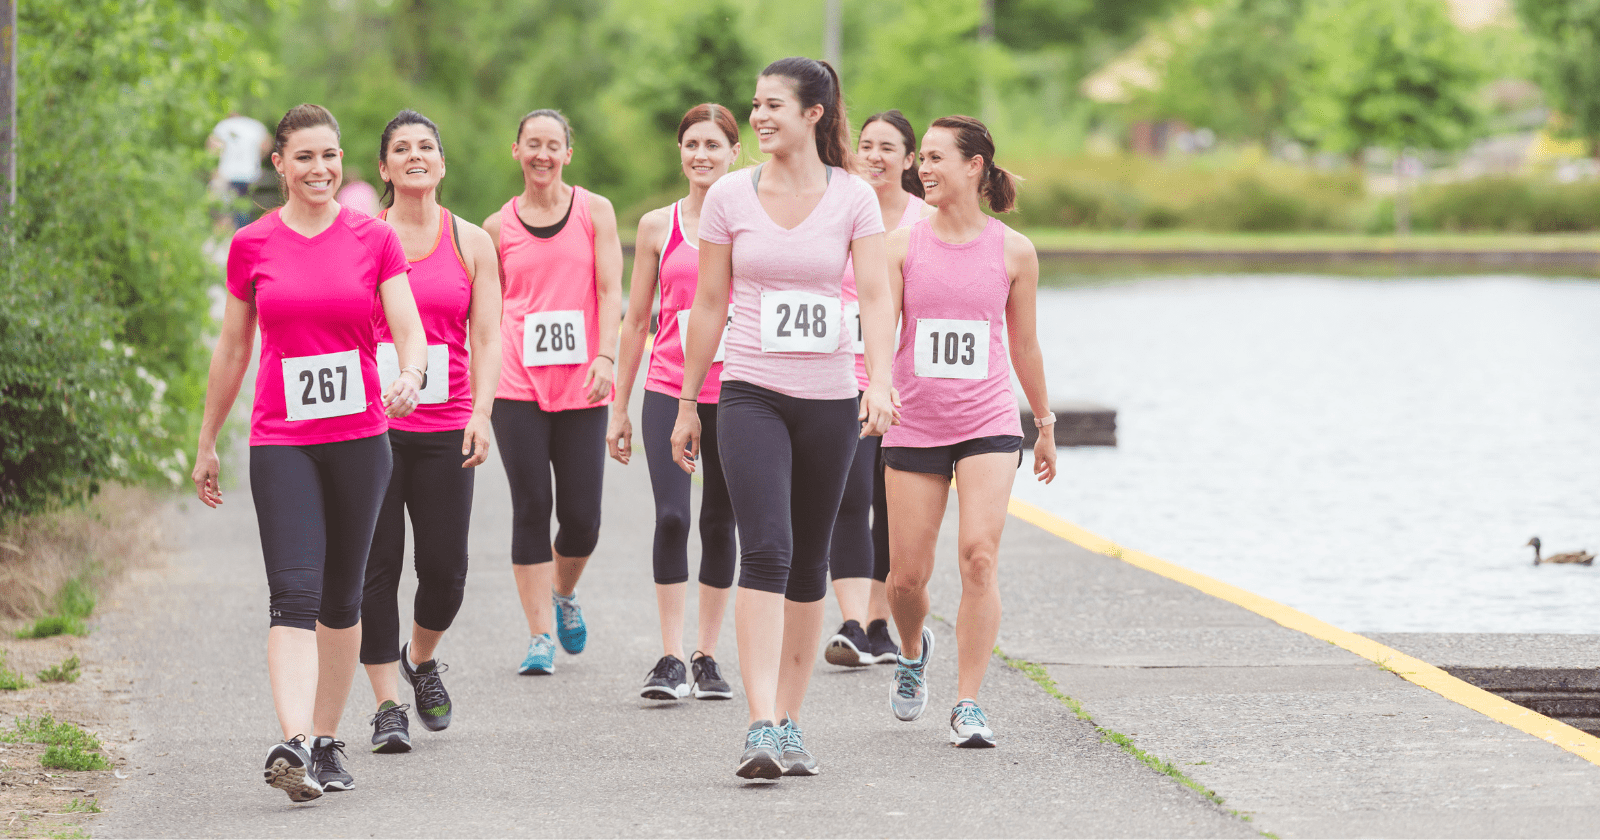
{"x": 455, "y": 278}
{"x": 666, "y": 254}
{"x": 312, "y": 273}
{"x": 776, "y": 237}
{"x": 959, "y": 278}
{"x": 561, "y": 277}
{"x": 859, "y": 558}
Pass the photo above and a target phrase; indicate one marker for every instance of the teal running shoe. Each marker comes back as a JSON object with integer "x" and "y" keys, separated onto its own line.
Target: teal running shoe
{"x": 762, "y": 745}
{"x": 574, "y": 634}
{"x": 969, "y": 726}
{"x": 541, "y": 658}
{"x": 910, "y": 694}
{"x": 795, "y": 758}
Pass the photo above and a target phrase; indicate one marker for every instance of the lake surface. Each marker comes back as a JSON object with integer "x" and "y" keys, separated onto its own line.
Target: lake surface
{"x": 1373, "y": 452}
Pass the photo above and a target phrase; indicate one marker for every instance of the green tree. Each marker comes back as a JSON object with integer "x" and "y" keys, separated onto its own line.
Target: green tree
{"x": 1233, "y": 74}
{"x": 1568, "y": 35}
{"x": 1393, "y": 74}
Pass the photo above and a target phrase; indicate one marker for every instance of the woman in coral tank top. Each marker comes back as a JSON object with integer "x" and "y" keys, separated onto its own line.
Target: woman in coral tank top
{"x": 561, "y": 272}
{"x": 959, "y": 278}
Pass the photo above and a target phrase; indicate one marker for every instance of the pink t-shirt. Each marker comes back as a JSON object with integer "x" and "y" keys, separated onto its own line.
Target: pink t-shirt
{"x": 679, "y": 272}
{"x": 788, "y": 332}
{"x": 951, "y": 366}
{"x": 550, "y": 321}
{"x": 443, "y": 290}
{"x": 314, "y": 298}
{"x": 911, "y": 216}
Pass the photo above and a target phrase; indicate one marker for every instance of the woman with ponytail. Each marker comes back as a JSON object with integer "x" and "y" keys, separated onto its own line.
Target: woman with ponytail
{"x": 957, "y": 278}
{"x": 776, "y": 237}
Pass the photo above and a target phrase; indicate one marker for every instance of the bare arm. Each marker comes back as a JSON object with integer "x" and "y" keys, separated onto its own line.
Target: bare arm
{"x": 483, "y": 324}
{"x": 635, "y": 329}
{"x": 706, "y": 320}
{"x": 410, "y": 344}
{"x": 229, "y": 361}
{"x": 608, "y": 290}
{"x": 878, "y": 411}
{"x": 1022, "y": 264}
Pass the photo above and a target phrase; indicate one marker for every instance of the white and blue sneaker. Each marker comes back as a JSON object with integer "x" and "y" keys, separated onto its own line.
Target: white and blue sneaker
{"x": 541, "y": 658}
{"x": 969, "y": 727}
{"x": 762, "y": 745}
{"x": 574, "y": 634}
{"x": 910, "y": 689}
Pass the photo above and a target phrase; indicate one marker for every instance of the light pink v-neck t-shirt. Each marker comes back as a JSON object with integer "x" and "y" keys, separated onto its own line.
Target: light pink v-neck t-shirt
{"x": 769, "y": 260}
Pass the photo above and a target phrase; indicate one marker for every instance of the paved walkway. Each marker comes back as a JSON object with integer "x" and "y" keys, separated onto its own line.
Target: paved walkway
{"x": 1299, "y": 736}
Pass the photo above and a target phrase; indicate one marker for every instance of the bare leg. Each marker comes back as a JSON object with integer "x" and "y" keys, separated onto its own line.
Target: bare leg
{"x": 713, "y": 606}
{"x": 338, "y": 653}
{"x": 568, "y": 570}
{"x": 878, "y": 602}
{"x": 758, "y": 623}
{"x": 853, "y": 594}
{"x": 533, "y": 588}
{"x": 292, "y": 669}
{"x": 802, "y": 631}
{"x": 916, "y": 508}
{"x": 424, "y": 643}
{"x": 983, "y": 484}
{"x": 669, "y": 605}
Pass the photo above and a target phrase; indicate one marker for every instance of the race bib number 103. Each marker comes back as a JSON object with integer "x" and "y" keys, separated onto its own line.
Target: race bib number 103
{"x": 799, "y": 322}
{"x": 952, "y": 349}
{"x": 329, "y": 385}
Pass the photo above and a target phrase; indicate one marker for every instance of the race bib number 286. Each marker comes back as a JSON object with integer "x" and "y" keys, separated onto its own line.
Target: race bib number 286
{"x": 554, "y": 338}
{"x": 329, "y": 385}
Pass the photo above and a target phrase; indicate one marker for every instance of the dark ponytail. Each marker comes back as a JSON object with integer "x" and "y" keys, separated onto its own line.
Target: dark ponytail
{"x": 817, "y": 83}
{"x": 998, "y": 186}
{"x": 909, "y": 180}
{"x": 405, "y": 117}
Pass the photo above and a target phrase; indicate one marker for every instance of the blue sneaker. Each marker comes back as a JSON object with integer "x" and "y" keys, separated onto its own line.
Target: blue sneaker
{"x": 910, "y": 695}
{"x": 574, "y": 634}
{"x": 969, "y": 726}
{"x": 541, "y": 658}
{"x": 761, "y": 752}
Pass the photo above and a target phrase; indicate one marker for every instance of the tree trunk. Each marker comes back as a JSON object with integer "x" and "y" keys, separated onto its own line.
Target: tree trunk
{"x": 1402, "y": 197}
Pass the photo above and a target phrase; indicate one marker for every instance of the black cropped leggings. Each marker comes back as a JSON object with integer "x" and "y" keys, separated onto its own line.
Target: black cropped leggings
{"x": 429, "y": 483}
{"x": 316, "y": 507}
{"x": 535, "y": 443}
{"x": 786, "y": 460}
{"x": 670, "y": 484}
{"x": 861, "y": 548}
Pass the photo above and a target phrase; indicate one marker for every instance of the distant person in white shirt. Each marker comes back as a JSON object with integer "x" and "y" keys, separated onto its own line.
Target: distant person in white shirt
{"x": 242, "y": 142}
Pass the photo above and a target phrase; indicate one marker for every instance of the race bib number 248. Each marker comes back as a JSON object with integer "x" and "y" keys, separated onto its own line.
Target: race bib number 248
{"x": 799, "y": 322}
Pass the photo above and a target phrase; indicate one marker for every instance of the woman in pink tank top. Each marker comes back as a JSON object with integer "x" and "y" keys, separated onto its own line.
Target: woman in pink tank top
{"x": 455, "y": 278}
{"x": 561, "y": 277}
{"x": 859, "y": 557}
{"x": 959, "y": 278}
{"x": 667, "y": 255}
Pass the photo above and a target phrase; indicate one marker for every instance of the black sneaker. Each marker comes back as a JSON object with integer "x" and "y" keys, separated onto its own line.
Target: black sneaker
{"x": 391, "y": 731}
{"x": 665, "y": 681}
{"x": 708, "y": 681}
{"x": 327, "y": 760}
{"x": 433, "y": 702}
{"x": 848, "y": 647}
{"x": 289, "y": 770}
{"x": 880, "y": 645}
{"x": 761, "y": 747}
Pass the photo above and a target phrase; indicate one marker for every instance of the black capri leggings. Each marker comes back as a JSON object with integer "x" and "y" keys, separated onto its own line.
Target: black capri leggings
{"x": 785, "y": 459}
{"x": 316, "y": 506}
{"x": 429, "y": 483}
{"x": 670, "y": 484}
{"x": 535, "y": 443}
{"x": 861, "y": 549}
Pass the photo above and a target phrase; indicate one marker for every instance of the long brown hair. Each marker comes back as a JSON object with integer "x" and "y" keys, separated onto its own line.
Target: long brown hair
{"x": 909, "y": 180}
{"x": 817, "y": 83}
{"x": 998, "y": 186}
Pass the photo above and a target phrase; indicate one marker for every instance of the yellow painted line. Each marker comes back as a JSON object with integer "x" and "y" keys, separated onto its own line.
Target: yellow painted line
{"x": 1569, "y": 738}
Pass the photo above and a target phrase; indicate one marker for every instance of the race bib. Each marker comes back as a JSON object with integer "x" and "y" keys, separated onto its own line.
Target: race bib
{"x": 329, "y": 385}
{"x": 683, "y": 334}
{"x": 435, "y": 381}
{"x": 554, "y": 338}
{"x": 852, "y": 322}
{"x": 950, "y": 349}
{"x": 799, "y": 322}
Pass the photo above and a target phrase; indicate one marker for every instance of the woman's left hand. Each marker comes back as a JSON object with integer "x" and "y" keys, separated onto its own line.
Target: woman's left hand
{"x": 400, "y": 398}
{"x": 1044, "y": 455}
{"x": 475, "y": 441}
{"x": 880, "y": 409}
{"x": 597, "y": 385}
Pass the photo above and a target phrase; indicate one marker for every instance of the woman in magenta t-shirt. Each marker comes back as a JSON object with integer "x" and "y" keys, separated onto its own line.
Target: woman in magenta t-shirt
{"x": 456, "y": 280}
{"x": 667, "y": 253}
{"x": 311, "y": 272}
{"x": 777, "y": 236}
{"x": 959, "y": 279}
{"x": 561, "y": 265}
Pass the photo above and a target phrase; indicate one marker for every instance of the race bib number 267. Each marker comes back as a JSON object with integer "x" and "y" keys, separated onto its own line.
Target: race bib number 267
{"x": 329, "y": 385}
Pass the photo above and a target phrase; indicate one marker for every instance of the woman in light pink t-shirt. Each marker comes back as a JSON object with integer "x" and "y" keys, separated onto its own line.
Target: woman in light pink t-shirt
{"x": 959, "y": 278}
{"x": 777, "y": 237}
{"x": 312, "y": 273}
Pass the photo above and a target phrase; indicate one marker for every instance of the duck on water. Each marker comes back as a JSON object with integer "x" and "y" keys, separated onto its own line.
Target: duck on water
{"x": 1580, "y": 556}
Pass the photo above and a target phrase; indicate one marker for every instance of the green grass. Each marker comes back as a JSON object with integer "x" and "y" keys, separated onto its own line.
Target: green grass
{"x": 72, "y": 833}
{"x": 67, "y": 671}
{"x": 1180, "y": 240}
{"x": 67, "y": 746}
{"x": 73, "y": 758}
{"x": 86, "y": 806}
{"x": 10, "y": 680}
{"x": 73, "y": 604}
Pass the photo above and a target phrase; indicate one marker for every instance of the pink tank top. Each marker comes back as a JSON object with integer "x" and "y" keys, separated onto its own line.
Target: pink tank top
{"x": 549, "y": 326}
{"x": 680, "y": 273}
{"x": 443, "y": 290}
{"x": 911, "y": 216}
{"x": 951, "y": 366}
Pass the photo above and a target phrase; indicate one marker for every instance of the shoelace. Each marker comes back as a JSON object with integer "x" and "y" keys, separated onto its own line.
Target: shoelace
{"x": 907, "y": 681}
{"x": 430, "y": 689}
{"x": 330, "y": 755}
{"x": 791, "y": 739}
{"x": 663, "y": 669}
{"x": 968, "y": 714}
{"x": 706, "y": 668}
{"x": 766, "y": 736}
{"x": 390, "y": 718}
{"x": 571, "y": 617}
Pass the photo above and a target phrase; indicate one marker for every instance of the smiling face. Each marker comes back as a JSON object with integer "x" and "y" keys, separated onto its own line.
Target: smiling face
{"x": 542, "y": 150}
{"x": 780, "y": 124}
{"x": 883, "y": 155}
{"x": 311, "y": 165}
{"x": 413, "y": 161}
{"x": 944, "y": 172}
{"x": 706, "y": 153}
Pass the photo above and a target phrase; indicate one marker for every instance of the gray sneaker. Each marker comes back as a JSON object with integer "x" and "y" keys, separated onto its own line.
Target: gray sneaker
{"x": 796, "y": 759}
{"x": 910, "y": 695}
{"x": 761, "y": 747}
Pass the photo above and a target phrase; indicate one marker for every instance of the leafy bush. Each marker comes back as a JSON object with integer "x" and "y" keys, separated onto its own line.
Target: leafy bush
{"x": 10, "y": 680}
{"x": 1513, "y": 204}
{"x": 67, "y": 746}
{"x": 67, "y": 671}
{"x": 73, "y": 758}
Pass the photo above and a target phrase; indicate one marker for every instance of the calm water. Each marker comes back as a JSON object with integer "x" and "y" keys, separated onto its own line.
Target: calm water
{"x": 1373, "y": 452}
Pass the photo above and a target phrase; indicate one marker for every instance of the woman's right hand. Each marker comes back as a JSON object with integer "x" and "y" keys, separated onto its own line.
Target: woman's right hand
{"x": 619, "y": 435}
{"x": 685, "y": 441}
{"x": 207, "y": 470}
